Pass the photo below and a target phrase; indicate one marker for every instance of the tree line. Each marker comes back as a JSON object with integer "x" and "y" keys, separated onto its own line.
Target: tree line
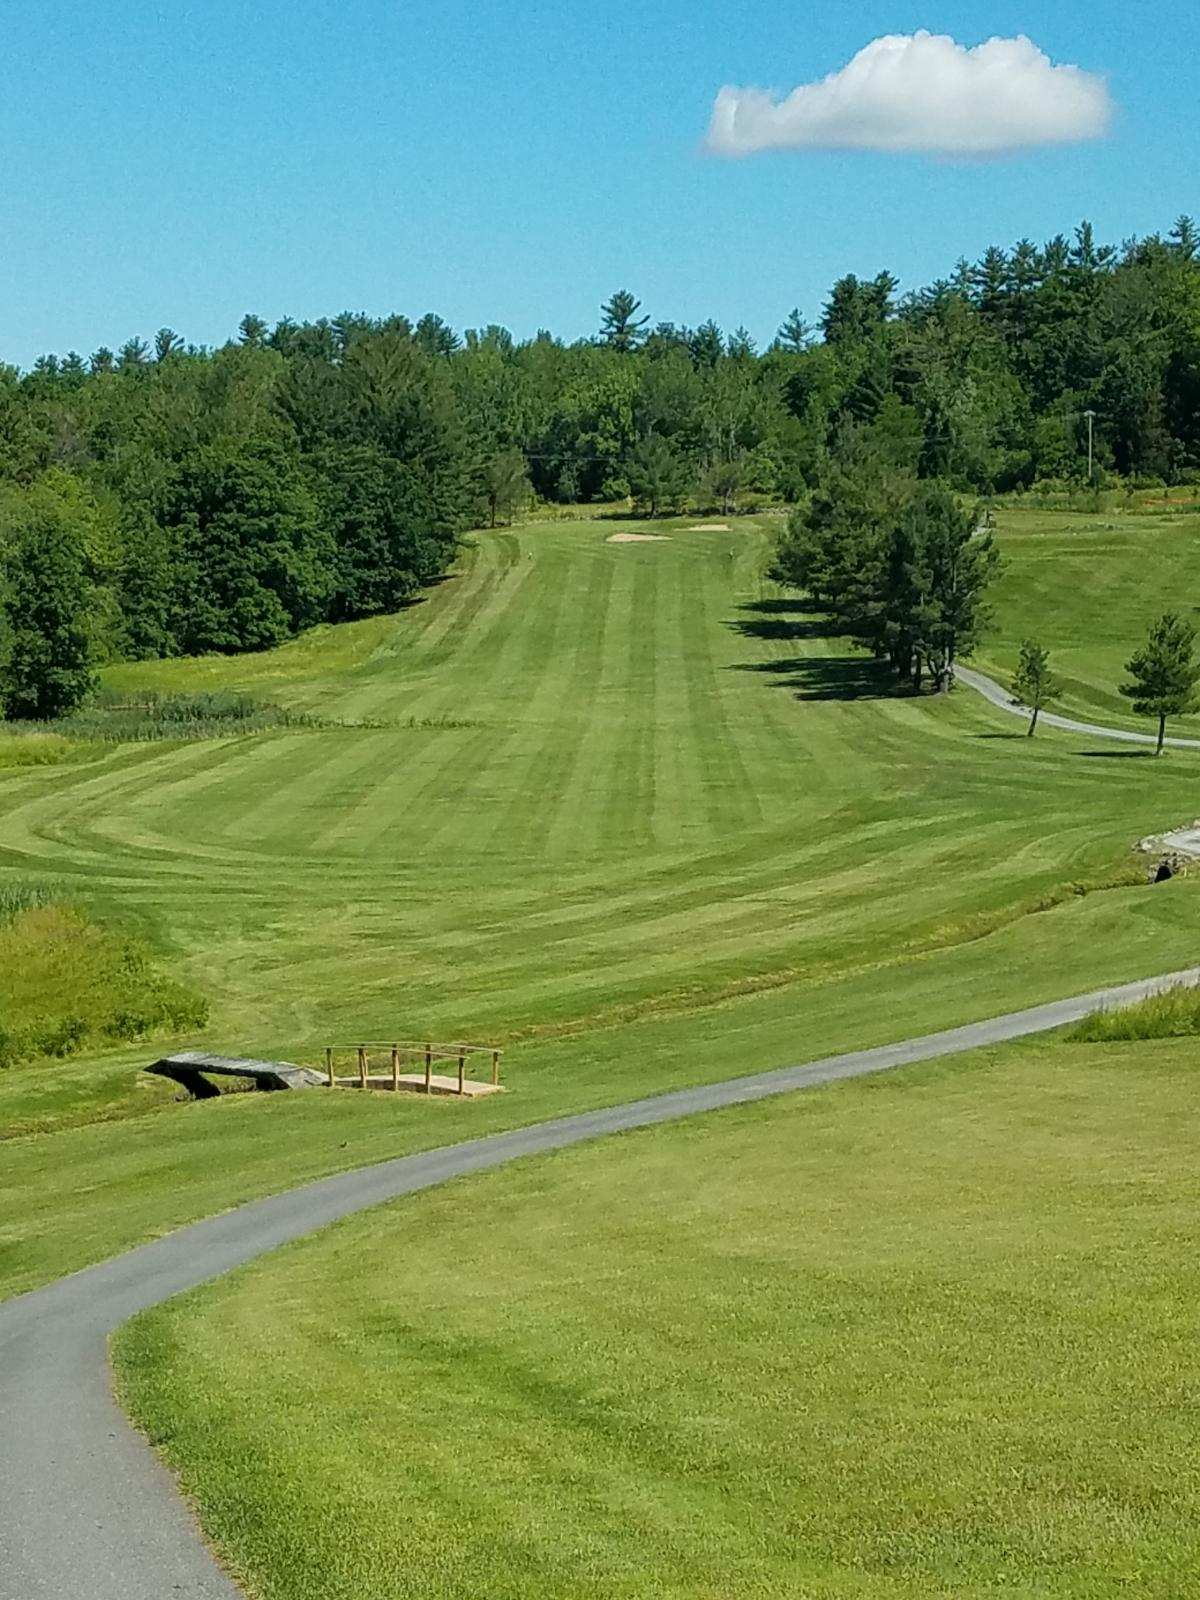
{"x": 165, "y": 498}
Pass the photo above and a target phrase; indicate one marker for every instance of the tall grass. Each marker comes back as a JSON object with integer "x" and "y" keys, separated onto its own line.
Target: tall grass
{"x": 19, "y": 897}
{"x": 1173, "y": 1014}
{"x": 39, "y": 749}
{"x": 67, "y": 983}
{"x": 208, "y": 715}
{"x": 212, "y": 714}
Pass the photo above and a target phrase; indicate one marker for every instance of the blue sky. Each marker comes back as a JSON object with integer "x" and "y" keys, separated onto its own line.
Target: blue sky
{"x": 182, "y": 164}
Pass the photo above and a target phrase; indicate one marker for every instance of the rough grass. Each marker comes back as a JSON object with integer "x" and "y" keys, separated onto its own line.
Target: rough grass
{"x": 17, "y": 897}
{"x": 1174, "y": 1014}
{"x": 622, "y": 809}
{"x": 928, "y": 1335}
{"x": 67, "y": 984}
{"x": 22, "y": 748}
{"x": 135, "y": 718}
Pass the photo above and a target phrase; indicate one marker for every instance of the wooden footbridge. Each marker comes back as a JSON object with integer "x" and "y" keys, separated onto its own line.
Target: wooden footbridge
{"x": 194, "y": 1070}
{"x": 399, "y": 1060}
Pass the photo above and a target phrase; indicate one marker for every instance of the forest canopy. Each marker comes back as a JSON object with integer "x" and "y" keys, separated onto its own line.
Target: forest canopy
{"x": 193, "y": 499}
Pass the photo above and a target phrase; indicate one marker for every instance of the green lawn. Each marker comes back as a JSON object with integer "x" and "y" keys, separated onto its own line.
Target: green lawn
{"x": 931, "y": 1334}
{"x": 1088, "y": 587}
{"x": 628, "y": 814}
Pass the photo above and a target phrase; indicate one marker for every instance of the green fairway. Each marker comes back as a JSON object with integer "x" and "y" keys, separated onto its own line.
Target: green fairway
{"x": 1088, "y": 586}
{"x": 923, "y": 1335}
{"x": 628, "y": 813}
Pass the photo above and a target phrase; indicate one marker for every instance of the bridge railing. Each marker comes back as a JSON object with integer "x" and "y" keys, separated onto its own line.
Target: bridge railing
{"x": 400, "y": 1054}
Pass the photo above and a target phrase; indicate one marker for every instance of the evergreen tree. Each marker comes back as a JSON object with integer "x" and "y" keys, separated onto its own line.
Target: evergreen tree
{"x": 381, "y": 515}
{"x": 1164, "y": 673}
{"x": 1034, "y": 685}
{"x": 659, "y": 477}
{"x": 707, "y": 345}
{"x": 795, "y": 334}
{"x": 620, "y": 326}
{"x": 167, "y": 343}
{"x": 961, "y": 560}
{"x": 724, "y": 480}
{"x": 252, "y": 331}
{"x": 134, "y": 353}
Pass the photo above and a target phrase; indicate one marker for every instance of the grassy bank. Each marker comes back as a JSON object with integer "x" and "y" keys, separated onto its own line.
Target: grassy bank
{"x": 68, "y": 985}
{"x": 925, "y": 1335}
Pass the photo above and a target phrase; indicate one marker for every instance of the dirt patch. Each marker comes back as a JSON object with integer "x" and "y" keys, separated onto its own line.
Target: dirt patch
{"x": 639, "y": 538}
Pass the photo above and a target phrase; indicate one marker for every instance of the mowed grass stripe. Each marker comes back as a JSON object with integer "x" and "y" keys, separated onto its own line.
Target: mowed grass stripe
{"x": 560, "y": 721}
{"x": 728, "y": 786}
{"x": 609, "y": 692}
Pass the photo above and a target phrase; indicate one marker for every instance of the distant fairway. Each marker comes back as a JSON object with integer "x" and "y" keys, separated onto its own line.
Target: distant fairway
{"x": 629, "y": 814}
{"x": 1088, "y": 586}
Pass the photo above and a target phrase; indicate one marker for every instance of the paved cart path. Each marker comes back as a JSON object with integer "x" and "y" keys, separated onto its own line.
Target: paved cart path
{"x": 1185, "y": 840}
{"x": 1002, "y": 698}
{"x": 86, "y": 1509}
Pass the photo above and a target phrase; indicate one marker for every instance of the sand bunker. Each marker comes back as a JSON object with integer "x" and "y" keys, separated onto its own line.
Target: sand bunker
{"x": 710, "y": 527}
{"x": 639, "y": 538}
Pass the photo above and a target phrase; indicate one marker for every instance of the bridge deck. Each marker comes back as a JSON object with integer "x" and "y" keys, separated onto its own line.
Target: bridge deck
{"x": 193, "y": 1068}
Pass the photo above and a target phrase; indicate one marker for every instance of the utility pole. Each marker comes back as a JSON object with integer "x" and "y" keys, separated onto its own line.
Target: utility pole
{"x": 1091, "y": 421}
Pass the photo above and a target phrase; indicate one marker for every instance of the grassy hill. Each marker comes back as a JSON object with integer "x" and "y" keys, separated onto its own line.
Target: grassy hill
{"x": 924, "y": 1335}
{"x": 620, "y": 807}
{"x": 1088, "y": 586}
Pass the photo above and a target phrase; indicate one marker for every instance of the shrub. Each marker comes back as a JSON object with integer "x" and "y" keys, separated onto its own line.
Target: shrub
{"x": 1173, "y": 1014}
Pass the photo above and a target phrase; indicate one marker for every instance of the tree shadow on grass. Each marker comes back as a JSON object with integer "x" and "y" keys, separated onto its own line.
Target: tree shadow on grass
{"x": 776, "y": 620}
{"x": 1116, "y": 755}
{"x": 815, "y": 677}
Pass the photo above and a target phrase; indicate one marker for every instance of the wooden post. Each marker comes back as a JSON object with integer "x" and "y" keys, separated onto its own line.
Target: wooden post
{"x": 495, "y": 1066}
{"x": 362, "y": 1067}
{"x": 396, "y": 1068}
{"x": 462, "y": 1071}
{"x": 428, "y": 1069}
{"x": 329, "y": 1066}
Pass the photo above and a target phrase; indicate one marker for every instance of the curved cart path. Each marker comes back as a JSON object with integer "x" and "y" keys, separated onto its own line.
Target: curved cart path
{"x": 1000, "y": 697}
{"x": 86, "y": 1509}
{"x": 1185, "y": 840}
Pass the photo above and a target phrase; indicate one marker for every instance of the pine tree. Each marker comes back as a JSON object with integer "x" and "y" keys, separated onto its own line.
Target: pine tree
{"x": 795, "y": 334}
{"x": 658, "y": 476}
{"x": 1034, "y": 685}
{"x": 620, "y": 326}
{"x": 1164, "y": 673}
{"x": 167, "y": 343}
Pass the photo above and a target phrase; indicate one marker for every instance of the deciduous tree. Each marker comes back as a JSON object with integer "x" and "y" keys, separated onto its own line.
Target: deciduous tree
{"x": 45, "y": 640}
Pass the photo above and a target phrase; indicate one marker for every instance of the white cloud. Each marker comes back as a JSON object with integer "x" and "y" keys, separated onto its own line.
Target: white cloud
{"x": 925, "y": 93}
